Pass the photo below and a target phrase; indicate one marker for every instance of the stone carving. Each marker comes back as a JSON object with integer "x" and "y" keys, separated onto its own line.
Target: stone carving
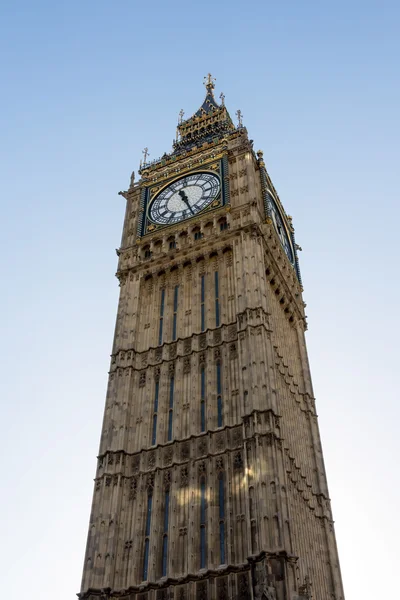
{"x": 238, "y": 461}
{"x": 133, "y": 488}
{"x": 186, "y": 365}
{"x": 222, "y": 588}
{"x": 232, "y": 331}
{"x": 158, "y": 354}
{"x": 184, "y": 477}
{"x": 187, "y": 347}
{"x": 202, "y": 447}
{"x": 167, "y": 479}
{"x": 202, "y": 358}
{"x": 201, "y": 591}
{"x": 220, "y": 441}
{"x": 217, "y": 336}
{"x": 168, "y": 454}
{"x": 202, "y": 468}
{"x": 185, "y": 451}
{"x": 203, "y": 341}
{"x": 172, "y": 350}
{"x": 233, "y": 351}
{"x": 135, "y": 464}
{"x": 142, "y": 379}
{"x": 144, "y": 359}
{"x": 237, "y": 437}
{"x": 171, "y": 368}
{"x": 151, "y": 461}
{"x": 150, "y": 481}
{"x": 217, "y": 353}
{"x": 219, "y": 463}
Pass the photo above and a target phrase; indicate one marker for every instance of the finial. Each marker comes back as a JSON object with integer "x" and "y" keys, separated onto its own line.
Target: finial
{"x": 209, "y": 82}
{"x": 132, "y": 179}
{"x": 260, "y": 153}
{"x": 145, "y": 153}
{"x": 222, "y": 97}
{"x": 239, "y": 116}
{"x": 181, "y": 113}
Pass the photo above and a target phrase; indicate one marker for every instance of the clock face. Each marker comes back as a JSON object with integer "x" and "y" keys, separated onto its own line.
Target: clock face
{"x": 184, "y": 198}
{"x": 281, "y": 230}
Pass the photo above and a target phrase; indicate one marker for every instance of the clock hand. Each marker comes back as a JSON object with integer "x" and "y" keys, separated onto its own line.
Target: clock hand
{"x": 186, "y": 200}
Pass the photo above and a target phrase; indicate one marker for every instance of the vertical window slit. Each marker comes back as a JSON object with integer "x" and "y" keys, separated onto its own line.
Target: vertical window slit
{"x": 147, "y": 537}
{"x": 203, "y": 398}
{"x": 160, "y": 330}
{"x": 202, "y": 304}
{"x": 216, "y": 280}
{"x": 202, "y": 523}
{"x": 155, "y": 414}
{"x": 219, "y": 397}
{"x": 175, "y": 315}
{"x": 165, "y": 535}
{"x": 221, "y": 501}
{"x": 171, "y": 407}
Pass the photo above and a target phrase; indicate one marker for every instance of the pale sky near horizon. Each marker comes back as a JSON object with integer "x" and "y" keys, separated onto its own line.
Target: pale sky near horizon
{"x": 85, "y": 87}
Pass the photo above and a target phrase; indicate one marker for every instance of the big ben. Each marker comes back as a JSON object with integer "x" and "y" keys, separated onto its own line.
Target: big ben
{"x": 210, "y": 481}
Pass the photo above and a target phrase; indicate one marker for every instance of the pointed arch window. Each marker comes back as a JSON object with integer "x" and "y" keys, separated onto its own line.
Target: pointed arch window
{"x": 203, "y": 398}
{"x": 216, "y": 289}
{"x": 219, "y": 397}
{"x": 221, "y": 504}
{"x": 161, "y": 322}
{"x": 175, "y": 314}
{"x": 164, "y": 561}
{"x": 147, "y": 536}
{"x": 171, "y": 407}
{"x": 155, "y": 414}
{"x": 202, "y": 302}
{"x": 203, "y": 529}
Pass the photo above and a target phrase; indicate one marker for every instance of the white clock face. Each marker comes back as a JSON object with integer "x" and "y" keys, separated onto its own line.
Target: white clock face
{"x": 281, "y": 231}
{"x": 184, "y": 198}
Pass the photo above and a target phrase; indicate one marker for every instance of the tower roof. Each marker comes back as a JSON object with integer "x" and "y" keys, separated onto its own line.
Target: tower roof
{"x": 209, "y": 121}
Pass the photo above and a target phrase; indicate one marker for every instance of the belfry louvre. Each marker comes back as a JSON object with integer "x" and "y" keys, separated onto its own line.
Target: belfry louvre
{"x": 210, "y": 481}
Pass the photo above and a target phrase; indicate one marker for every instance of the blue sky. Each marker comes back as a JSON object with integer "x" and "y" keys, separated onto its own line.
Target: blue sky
{"x": 85, "y": 87}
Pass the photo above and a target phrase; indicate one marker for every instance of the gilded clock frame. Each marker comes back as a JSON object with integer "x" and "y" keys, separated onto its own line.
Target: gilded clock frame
{"x": 217, "y": 167}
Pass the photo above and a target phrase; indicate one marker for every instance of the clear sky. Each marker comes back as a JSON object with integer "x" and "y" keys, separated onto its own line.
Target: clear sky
{"x": 85, "y": 86}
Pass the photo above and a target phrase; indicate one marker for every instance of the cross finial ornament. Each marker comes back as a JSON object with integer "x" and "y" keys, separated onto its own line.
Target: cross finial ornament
{"x": 209, "y": 82}
{"x": 181, "y": 113}
{"x": 239, "y": 116}
{"x": 222, "y": 97}
{"x": 145, "y": 153}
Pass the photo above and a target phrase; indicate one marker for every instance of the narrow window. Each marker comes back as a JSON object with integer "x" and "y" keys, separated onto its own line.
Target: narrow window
{"x": 203, "y": 398}
{"x": 155, "y": 413}
{"x": 165, "y": 535}
{"x": 202, "y": 523}
{"x": 221, "y": 500}
{"x": 202, "y": 303}
{"x": 160, "y": 330}
{"x": 198, "y": 235}
{"x": 219, "y": 396}
{"x": 147, "y": 537}
{"x": 172, "y": 245}
{"x": 171, "y": 407}
{"x": 223, "y": 225}
{"x": 216, "y": 299}
{"x": 176, "y": 290}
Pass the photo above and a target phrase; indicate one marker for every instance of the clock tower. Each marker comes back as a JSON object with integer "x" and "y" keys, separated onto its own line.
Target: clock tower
{"x": 210, "y": 480}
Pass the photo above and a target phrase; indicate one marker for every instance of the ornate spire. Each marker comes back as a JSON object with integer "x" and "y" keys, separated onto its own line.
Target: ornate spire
{"x": 210, "y": 120}
{"x": 209, "y": 83}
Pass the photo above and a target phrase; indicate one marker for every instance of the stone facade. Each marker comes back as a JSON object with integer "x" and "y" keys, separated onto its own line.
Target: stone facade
{"x": 243, "y": 411}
